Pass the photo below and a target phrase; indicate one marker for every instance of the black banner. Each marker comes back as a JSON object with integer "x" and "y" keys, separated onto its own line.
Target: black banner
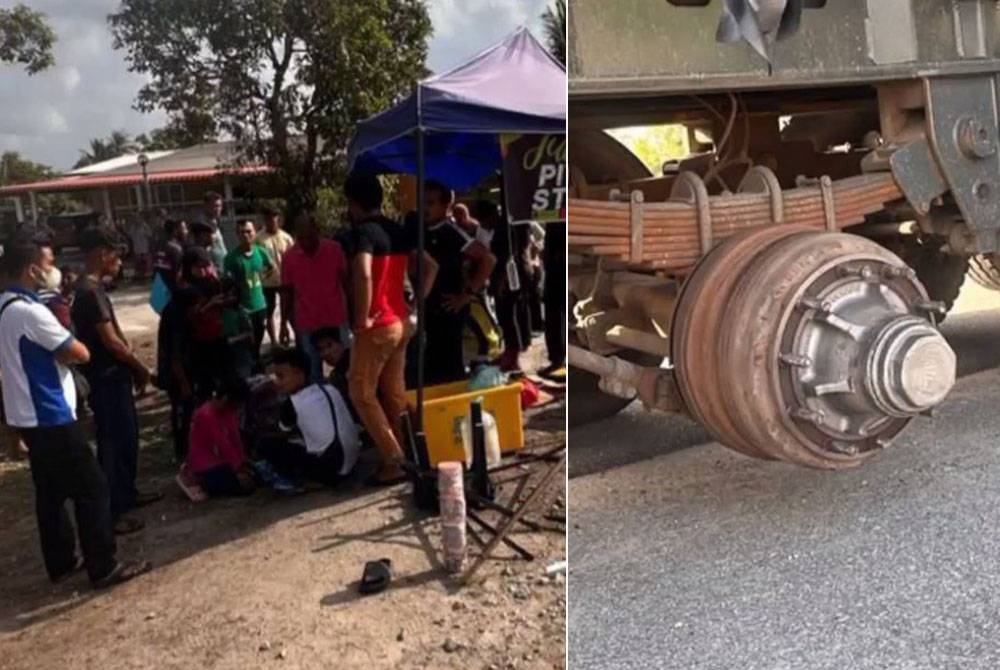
{"x": 534, "y": 171}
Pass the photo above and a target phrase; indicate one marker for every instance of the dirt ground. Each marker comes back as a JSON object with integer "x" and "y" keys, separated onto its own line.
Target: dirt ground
{"x": 271, "y": 582}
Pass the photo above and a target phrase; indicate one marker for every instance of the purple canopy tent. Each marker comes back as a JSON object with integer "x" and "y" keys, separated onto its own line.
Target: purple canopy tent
{"x": 448, "y": 128}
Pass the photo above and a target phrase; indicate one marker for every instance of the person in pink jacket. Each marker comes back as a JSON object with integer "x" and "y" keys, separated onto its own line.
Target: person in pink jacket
{"x": 217, "y": 461}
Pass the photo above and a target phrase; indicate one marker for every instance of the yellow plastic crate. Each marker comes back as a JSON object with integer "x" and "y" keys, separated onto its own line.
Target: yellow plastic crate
{"x": 446, "y": 405}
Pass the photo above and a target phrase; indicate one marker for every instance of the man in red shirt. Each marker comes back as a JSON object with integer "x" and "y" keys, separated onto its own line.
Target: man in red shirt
{"x": 314, "y": 273}
{"x": 382, "y": 252}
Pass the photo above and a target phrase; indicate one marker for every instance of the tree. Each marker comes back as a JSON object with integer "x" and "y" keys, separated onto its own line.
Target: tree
{"x": 15, "y": 169}
{"x": 287, "y": 79}
{"x": 26, "y": 38}
{"x": 117, "y": 144}
{"x": 185, "y": 129}
{"x": 554, "y": 20}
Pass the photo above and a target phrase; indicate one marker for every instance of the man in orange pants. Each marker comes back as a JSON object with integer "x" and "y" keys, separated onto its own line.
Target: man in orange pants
{"x": 382, "y": 252}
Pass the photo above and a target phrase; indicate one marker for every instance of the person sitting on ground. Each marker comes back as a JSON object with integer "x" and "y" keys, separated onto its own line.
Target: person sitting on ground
{"x": 318, "y": 438}
{"x": 217, "y": 461}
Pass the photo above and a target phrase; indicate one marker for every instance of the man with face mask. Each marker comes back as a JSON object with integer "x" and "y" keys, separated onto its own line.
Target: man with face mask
{"x": 112, "y": 372}
{"x": 40, "y": 403}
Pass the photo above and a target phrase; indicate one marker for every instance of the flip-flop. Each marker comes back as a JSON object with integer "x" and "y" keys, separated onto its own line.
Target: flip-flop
{"x": 122, "y": 572}
{"x": 376, "y": 576}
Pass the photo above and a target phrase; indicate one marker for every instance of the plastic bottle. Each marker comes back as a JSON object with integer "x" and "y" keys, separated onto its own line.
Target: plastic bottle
{"x": 492, "y": 432}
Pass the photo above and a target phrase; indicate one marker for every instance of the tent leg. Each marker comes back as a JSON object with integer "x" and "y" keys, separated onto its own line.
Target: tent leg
{"x": 421, "y": 325}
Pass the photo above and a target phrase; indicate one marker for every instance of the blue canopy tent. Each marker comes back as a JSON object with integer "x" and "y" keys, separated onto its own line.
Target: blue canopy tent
{"x": 448, "y": 128}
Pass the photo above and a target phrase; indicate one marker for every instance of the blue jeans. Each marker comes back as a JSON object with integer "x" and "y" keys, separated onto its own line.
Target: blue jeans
{"x": 117, "y": 437}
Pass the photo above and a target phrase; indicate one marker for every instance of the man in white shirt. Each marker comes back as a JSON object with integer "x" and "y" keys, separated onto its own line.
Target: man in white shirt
{"x": 319, "y": 439}
{"x": 40, "y": 403}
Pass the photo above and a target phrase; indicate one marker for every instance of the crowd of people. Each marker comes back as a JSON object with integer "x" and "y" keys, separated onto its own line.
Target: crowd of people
{"x": 347, "y": 304}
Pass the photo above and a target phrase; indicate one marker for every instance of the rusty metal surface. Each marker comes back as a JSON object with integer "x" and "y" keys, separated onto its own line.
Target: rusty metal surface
{"x": 673, "y": 238}
{"x": 808, "y": 347}
{"x": 962, "y": 120}
{"x": 984, "y": 271}
{"x": 697, "y": 320}
{"x": 638, "y": 47}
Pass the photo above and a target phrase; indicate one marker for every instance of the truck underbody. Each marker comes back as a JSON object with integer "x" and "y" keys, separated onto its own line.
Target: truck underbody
{"x": 791, "y": 269}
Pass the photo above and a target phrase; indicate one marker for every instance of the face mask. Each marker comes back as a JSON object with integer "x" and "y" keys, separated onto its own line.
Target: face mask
{"x": 49, "y": 279}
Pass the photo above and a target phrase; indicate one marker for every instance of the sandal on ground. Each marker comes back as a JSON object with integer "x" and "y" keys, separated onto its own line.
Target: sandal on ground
{"x": 127, "y": 525}
{"x": 376, "y": 576}
{"x": 143, "y": 499}
{"x": 123, "y": 572}
{"x": 77, "y": 567}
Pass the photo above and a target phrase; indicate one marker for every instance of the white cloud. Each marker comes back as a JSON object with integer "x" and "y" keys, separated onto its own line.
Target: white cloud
{"x": 50, "y": 116}
{"x": 463, "y": 28}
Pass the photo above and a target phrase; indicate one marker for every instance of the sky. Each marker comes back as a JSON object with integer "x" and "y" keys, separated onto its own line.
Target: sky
{"x": 50, "y": 116}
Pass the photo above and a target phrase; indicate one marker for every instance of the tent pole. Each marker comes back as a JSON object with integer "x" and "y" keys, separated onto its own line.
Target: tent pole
{"x": 421, "y": 325}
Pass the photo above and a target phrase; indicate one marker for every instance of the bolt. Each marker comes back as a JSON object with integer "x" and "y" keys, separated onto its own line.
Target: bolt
{"x": 821, "y": 308}
{"x": 845, "y": 448}
{"x": 932, "y": 307}
{"x": 865, "y": 272}
{"x": 804, "y": 414}
{"x": 795, "y": 360}
{"x": 899, "y": 271}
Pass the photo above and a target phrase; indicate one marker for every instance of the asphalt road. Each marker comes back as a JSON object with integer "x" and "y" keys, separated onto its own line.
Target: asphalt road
{"x": 637, "y": 434}
{"x": 686, "y": 555}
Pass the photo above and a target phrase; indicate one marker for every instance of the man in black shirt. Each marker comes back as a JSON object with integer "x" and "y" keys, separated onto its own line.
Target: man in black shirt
{"x": 112, "y": 372}
{"x": 455, "y": 287}
{"x": 167, "y": 262}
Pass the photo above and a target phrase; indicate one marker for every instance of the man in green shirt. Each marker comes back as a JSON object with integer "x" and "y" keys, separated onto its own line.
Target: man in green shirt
{"x": 248, "y": 264}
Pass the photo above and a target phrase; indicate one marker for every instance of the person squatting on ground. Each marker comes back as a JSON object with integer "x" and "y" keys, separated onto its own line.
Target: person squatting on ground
{"x": 248, "y": 265}
{"x": 39, "y": 399}
{"x": 314, "y": 272}
{"x": 276, "y": 242}
{"x": 217, "y": 459}
{"x": 112, "y": 373}
{"x": 329, "y": 345}
{"x": 382, "y": 253}
{"x": 455, "y": 289}
{"x": 318, "y": 439}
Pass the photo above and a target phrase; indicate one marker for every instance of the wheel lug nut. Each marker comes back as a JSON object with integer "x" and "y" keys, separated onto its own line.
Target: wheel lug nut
{"x": 795, "y": 360}
{"x": 845, "y": 448}
{"x": 810, "y": 415}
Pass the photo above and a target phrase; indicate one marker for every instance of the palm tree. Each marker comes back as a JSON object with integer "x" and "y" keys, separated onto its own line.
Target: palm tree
{"x": 117, "y": 144}
{"x": 554, "y": 20}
